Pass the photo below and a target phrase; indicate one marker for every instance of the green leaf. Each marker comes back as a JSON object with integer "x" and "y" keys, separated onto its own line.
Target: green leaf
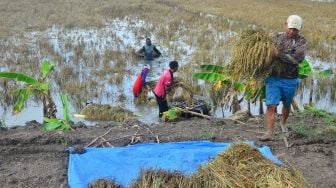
{"x": 238, "y": 86}
{"x": 65, "y": 104}
{"x": 47, "y": 67}
{"x": 51, "y": 126}
{"x": 249, "y": 94}
{"x": 210, "y": 76}
{"x": 213, "y": 68}
{"x": 44, "y": 86}
{"x": 325, "y": 73}
{"x": 23, "y": 95}
{"x": 19, "y": 77}
{"x": 304, "y": 69}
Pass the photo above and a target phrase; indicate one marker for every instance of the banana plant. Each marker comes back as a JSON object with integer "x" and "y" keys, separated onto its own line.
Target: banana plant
{"x": 223, "y": 87}
{"x": 33, "y": 86}
{"x": 51, "y": 124}
{"x": 305, "y": 71}
{"x": 253, "y": 89}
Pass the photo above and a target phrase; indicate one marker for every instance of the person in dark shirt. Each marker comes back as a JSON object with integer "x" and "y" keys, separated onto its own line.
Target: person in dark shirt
{"x": 283, "y": 81}
{"x": 149, "y": 51}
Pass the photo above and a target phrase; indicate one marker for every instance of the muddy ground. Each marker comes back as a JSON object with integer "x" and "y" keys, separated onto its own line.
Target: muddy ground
{"x": 30, "y": 157}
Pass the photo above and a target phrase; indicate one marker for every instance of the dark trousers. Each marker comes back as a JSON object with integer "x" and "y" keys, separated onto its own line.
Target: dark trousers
{"x": 163, "y": 104}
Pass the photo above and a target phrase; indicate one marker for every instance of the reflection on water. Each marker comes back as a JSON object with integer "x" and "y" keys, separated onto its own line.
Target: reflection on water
{"x": 99, "y": 65}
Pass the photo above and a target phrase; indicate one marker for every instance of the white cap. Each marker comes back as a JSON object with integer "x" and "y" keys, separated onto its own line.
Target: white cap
{"x": 294, "y": 21}
{"x": 146, "y": 66}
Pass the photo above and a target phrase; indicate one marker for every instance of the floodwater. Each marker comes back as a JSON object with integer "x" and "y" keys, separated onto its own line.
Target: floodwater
{"x": 98, "y": 65}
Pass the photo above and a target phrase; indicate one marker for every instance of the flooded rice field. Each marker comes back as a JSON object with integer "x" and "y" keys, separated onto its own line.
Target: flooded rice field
{"x": 99, "y": 65}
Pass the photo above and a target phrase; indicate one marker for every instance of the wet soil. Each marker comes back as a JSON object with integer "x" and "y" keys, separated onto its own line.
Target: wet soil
{"x": 31, "y": 157}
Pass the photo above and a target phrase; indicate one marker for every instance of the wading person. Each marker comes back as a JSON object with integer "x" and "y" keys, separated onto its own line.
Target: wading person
{"x": 141, "y": 82}
{"x": 164, "y": 82}
{"x": 283, "y": 81}
{"x": 149, "y": 51}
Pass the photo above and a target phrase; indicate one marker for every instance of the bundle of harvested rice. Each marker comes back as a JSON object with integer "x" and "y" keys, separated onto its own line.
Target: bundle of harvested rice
{"x": 106, "y": 113}
{"x": 179, "y": 91}
{"x": 143, "y": 97}
{"x": 103, "y": 183}
{"x": 252, "y": 55}
{"x": 160, "y": 178}
{"x": 241, "y": 165}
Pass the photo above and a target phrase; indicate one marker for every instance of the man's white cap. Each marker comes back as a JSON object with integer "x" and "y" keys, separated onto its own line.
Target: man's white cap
{"x": 146, "y": 66}
{"x": 294, "y": 21}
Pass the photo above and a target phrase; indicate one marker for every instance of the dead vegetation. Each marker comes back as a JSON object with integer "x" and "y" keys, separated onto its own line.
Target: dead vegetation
{"x": 106, "y": 113}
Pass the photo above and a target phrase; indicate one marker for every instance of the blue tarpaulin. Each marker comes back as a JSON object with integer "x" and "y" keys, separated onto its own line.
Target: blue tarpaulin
{"x": 124, "y": 164}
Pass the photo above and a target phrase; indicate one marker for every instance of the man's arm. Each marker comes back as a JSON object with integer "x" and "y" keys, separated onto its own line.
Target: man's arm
{"x": 295, "y": 55}
{"x": 141, "y": 51}
{"x": 157, "y": 51}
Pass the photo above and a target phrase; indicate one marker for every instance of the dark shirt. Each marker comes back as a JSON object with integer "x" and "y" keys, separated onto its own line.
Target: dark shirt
{"x": 150, "y": 52}
{"x": 291, "y": 53}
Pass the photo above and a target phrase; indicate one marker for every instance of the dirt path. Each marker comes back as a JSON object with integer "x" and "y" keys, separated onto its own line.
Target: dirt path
{"x": 30, "y": 157}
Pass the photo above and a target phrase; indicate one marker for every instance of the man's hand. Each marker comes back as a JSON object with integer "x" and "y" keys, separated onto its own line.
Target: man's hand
{"x": 275, "y": 52}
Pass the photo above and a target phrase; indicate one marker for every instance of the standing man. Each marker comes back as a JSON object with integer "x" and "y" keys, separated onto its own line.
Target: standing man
{"x": 283, "y": 81}
{"x": 164, "y": 82}
{"x": 149, "y": 51}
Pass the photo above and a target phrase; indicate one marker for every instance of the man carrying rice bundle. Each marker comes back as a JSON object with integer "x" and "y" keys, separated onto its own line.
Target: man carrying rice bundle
{"x": 283, "y": 80}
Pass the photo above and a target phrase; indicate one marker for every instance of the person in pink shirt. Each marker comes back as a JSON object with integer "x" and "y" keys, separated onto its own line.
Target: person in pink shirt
{"x": 164, "y": 82}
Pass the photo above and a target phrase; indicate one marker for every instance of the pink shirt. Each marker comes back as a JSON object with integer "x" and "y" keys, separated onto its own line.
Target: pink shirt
{"x": 164, "y": 81}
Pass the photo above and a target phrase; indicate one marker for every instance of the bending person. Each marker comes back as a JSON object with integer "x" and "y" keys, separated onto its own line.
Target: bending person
{"x": 166, "y": 80}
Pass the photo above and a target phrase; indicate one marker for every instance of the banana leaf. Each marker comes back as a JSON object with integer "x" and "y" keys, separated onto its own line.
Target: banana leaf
{"x": 19, "y": 77}
{"x": 23, "y": 95}
{"x": 55, "y": 124}
{"x": 51, "y": 124}
{"x": 65, "y": 104}
{"x": 325, "y": 73}
{"x": 210, "y": 76}
{"x": 238, "y": 86}
{"x": 304, "y": 69}
{"x": 47, "y": 67}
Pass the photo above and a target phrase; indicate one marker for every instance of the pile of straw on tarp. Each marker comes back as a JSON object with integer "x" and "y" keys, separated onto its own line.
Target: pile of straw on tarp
{"x": 104, "y": 183}
{"x": 105, "y": 112}
{"x": 241, "y": 165}
{"x": 152, "y": 178}
{"x": 252, "y": 55}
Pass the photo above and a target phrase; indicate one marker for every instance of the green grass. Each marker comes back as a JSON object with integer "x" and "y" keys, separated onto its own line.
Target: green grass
{"x": 315, "y": 123}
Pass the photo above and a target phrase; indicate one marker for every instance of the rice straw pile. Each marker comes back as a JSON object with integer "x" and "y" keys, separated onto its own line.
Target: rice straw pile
{"x": 104, "y": 183}
{"x": 252, "y": 55}
{"x": 159, "y": 178}
{"x": 106, "y": 113}
{"x": 241, "y": 165}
